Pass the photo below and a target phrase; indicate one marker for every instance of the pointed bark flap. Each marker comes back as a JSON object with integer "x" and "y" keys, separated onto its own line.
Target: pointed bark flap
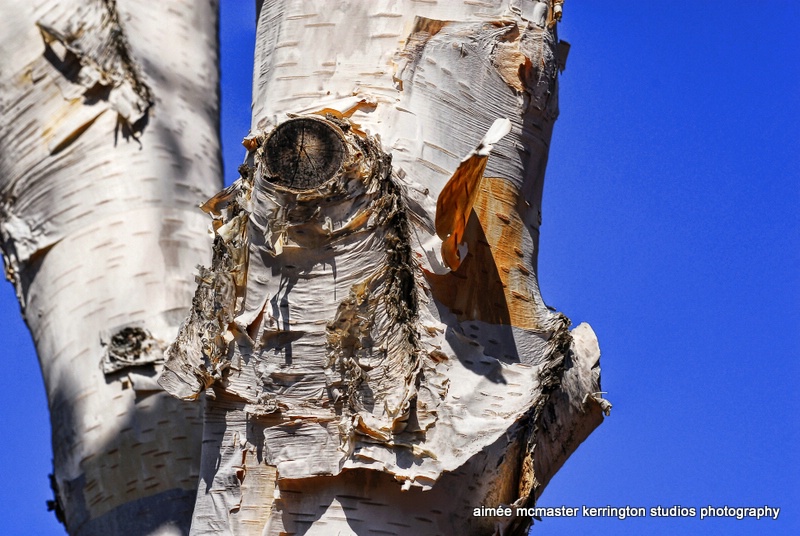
{"x": 88, "y": 45}
{"x": 458, "y": 196}
{"x": 496, "y": 284}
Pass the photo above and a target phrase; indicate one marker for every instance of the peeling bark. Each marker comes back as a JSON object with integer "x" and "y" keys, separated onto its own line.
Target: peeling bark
{"x": 91, "y": 51}
{"x": 369, "y": 342}
{"x": 108, "y": 140}
{"x": 370, "y": 335}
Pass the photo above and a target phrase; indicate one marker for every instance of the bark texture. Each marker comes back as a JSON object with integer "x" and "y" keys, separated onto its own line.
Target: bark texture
{"x": 108, "y": 141}
{"x": 370, "y": 336}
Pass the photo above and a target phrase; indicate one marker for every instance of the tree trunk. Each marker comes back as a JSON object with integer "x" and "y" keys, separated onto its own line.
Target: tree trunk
{"x": 370, "y": 343}
{"x": 370, "y": 337}
{"x": 108, "y": 140}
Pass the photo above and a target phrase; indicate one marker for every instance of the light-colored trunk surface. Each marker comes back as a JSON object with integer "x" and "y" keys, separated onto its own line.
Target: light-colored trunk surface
{"x": 374, "y": 349}
{"x": 108, "y": 141}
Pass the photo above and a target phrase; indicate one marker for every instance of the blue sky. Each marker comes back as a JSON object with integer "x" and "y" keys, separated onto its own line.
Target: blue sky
{"x": 670, "y": 224}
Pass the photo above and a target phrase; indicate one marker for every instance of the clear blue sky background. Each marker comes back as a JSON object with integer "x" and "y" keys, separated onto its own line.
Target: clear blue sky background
{"x": 670, "y": 224}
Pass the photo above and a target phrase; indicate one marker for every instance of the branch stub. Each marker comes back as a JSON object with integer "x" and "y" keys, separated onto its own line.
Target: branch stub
{"x": 303, "y": 153}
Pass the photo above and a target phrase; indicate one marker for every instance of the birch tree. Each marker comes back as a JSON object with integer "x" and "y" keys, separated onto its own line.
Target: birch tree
{"x": 108, "y": 139}
{"x": 367, "y": 344}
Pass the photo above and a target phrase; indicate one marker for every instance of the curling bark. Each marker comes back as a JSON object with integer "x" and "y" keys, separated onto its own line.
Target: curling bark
{"x": 369, "y": 340}
{"x": 108, "y": 141}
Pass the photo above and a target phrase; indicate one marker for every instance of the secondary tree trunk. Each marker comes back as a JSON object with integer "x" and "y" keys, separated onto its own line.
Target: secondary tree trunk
{"x": 108, "y": 141}
{"x": 370, "y": 337}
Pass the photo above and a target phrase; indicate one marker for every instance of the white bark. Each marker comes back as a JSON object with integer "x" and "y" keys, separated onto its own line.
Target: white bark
{"x": 108, "y": 140}
{"x": 373, "y": 343}
{"x": 372, "y": 340}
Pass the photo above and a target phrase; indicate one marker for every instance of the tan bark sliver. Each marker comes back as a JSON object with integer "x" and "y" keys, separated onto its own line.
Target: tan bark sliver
{"x": 496, "y": 281}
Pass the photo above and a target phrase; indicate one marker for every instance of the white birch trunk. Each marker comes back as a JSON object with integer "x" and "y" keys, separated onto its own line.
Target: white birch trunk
{"x": 371, "y": 337}
{"x": 108, "y": 141}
